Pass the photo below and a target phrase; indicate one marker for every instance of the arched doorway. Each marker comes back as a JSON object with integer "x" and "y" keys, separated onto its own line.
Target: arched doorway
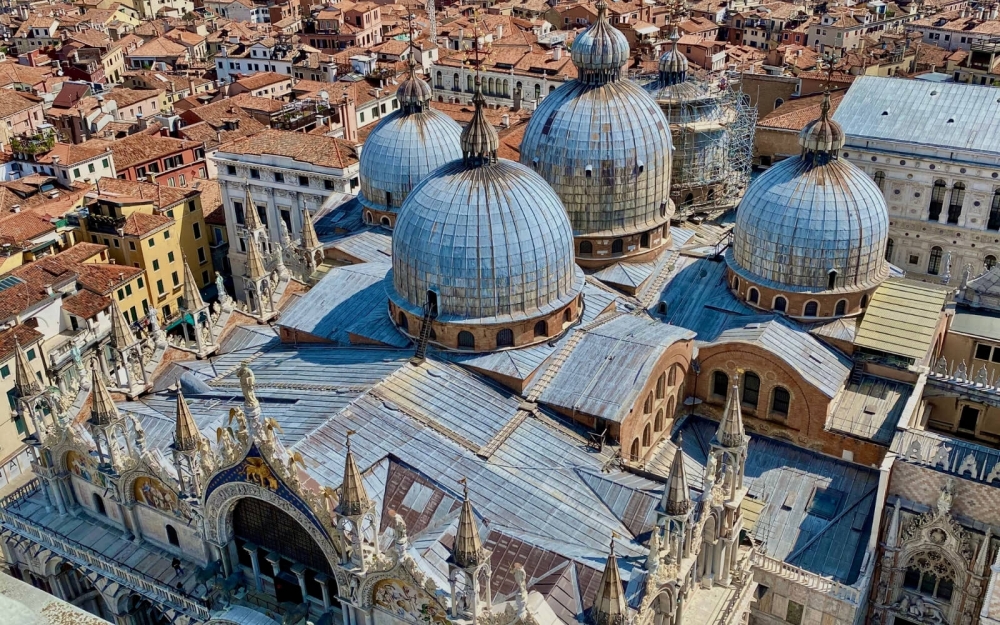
{"x": 144, "y": 612}
{"x": 281, "y": 544}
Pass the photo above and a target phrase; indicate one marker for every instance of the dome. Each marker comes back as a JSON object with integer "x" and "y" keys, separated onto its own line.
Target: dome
{"x": 603, "y": 143}
{"x": 487, "y": 236}
{"x": 812, "y": 223}
{"x": 406, "y": 146}
{"x": 601, "y": 50}
{"x": 673, "y": 64}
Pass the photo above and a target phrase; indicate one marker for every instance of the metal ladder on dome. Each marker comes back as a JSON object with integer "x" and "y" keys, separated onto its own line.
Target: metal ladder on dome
{"x": 430, "y": 311}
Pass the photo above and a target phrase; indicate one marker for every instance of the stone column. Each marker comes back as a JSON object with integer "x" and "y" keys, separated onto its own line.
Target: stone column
{"x": 255, "y": 563}
{"x": 273, "y": 559}
{"x": 52, "y": 486}
{"x": 123, "y": 363}
{"x": 133, "y": 517}
{"x": 322, "y": 580}
{"x": 300, "y": 573}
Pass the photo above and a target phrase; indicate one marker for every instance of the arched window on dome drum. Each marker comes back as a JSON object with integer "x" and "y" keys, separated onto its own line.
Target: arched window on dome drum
{"x": 542, "y": 328}
{"x": 433, "y": 335}
{"x": 780, "y": 400}
{"x": 993, "y": 223}
{"x": 937, "y": 200}
{"x": 811, "y": 309}
{"x": 505, "y": 338}
{"x": 491, "y": 85}
{"x": 647, "y": 437}
{"x": 720, "y": 384}
{"x": 172, "y": 536}
{"x": 567, "y": 315}
{"x": 934, "y": 262}
{"x": 552, "y": 88}
{"x": 751, "y": 389}
{"x": 778, "y": 102}
{"x": 841, "y": 308}
{"x": 634, "y": 451}
{"x": 780, "y": 304}
{"x": 888, "y": 249}
{"x": 644, "y": 240}
{"x": 658, "y": 421}
{"x": 670, "y": 408}
{"x": 519, "y": 88}
{"x": 586, "y": 247}
{"x": 466, "y": 340}
{"x": 672, "y": 376}
{"x": 385, "y": 222}
{"x": 368, "y": 217}
{"x": 689, "y": 199}
{"x": 753, "y": 295}
{"x": 403, "y": 323}
{"x": 880, "y": 180}
{"x": 617, "y": 246}
{"x": 864, "y": 301}
{"x": 647, "y": 406}
{"x": 955, "y": 205}
{"x": 661, "y": 384}
{"x": 736, "y": 283}
{"x": 538, "y": 91}
{"x": 989, "y": 262}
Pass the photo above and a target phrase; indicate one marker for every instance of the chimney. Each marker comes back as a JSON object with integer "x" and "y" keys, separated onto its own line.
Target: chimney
{"x": 505, "y": 120}
{"x": 557, "y": 53}
{"x": 499, "y": 31}
{"x": 48, "y": 289}
{"x": 151, "y": 176}
{"x": 16, "y": 208}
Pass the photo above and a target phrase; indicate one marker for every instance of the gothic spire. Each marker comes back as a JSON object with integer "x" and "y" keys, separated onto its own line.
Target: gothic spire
{"x": 251, "y": 218}
{"x": 186, "y": 431}
{"x": 468, "y": 550}
{"x": 103, "y": 410}
{"x": 24, "y": 379}
{"x": 255, "y": 261}
{"x": 676, "y": 496}
{"x": 730, "y": 432}
{"x": 121, "y": 335}
{"x": 609, "y": 605}
{"x": 982, "y": 558}
{"x": 309, "y": 239}
{"x": 353, "y": 498}
{"x": 192, "y": 296}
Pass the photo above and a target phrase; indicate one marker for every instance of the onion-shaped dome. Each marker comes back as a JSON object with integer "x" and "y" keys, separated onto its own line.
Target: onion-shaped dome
{"x": 602, "y": 142}
{"x": 600, "y": 51}
{"x": 673, "y": 66}
{"x": 812, "y": 223}
{"x": 406, "y": 146}
{"x": 487, "y": 236}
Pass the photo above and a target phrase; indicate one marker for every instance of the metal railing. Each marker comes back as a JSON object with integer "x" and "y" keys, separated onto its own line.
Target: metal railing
{"x": 87, "y": 558}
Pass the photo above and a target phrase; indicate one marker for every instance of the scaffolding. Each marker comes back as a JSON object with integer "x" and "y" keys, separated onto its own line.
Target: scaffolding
{"x": 712, "y": 126}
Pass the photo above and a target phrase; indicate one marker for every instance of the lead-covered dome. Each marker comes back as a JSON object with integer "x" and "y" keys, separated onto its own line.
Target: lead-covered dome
{"x": 604, "y": 145}
{"x": 486, "y": 242}
{"x": 812, "y": 224}
{"x": 405, "y": 146}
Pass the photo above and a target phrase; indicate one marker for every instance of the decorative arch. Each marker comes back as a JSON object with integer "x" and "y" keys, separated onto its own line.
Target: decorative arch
{"x": 405, "y": 601}
{"x": 222, "y": 501}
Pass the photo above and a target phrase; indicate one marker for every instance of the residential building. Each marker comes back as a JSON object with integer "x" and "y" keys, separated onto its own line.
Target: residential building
{"x": 169, "y": 161}
{"x": 263, "y": 85}
{"x": 286, "y": 173}
{"x": 136, "y": 104}
{"x": 980, "y": 65}
{"x": 37, "y": 32}
{"x": 940, "y": 178}
{"x": 959, "y": 29}
{"x": 20, "y": 114}
{"x": 842, "y": 29}
{"x": 154, "y": 228}
{"x": 159, "y": 54}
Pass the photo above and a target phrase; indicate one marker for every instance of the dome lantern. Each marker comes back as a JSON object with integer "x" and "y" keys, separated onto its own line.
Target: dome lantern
{"x": 822, "y": 138}
{"x": 673, "y": 66}
{"x": 480, "y": 141}
{"x": 600, "y": 52}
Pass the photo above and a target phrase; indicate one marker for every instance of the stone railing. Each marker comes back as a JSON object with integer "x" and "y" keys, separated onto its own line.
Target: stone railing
{"x": 88, "y": 559}
{"x": 82, "y": 339}
{"x": 804, "y": 578}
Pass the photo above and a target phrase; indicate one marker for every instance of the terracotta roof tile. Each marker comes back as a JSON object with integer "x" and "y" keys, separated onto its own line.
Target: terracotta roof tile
{"x": 795, "y": 114}
{"x": 85, "y": 304}
{"x": 18, "y": 334}
{"x": 102, "y": 278}
{"x": 140, "y": 224}
{"x": 318, "y": 150}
